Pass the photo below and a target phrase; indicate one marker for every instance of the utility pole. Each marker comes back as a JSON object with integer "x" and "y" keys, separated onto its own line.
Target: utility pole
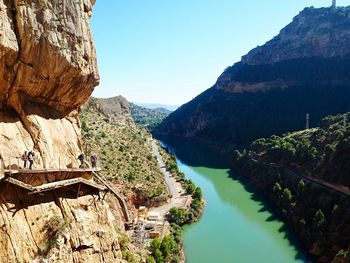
{"x": 334, "y": 3}
{"x": 307, "y": 126}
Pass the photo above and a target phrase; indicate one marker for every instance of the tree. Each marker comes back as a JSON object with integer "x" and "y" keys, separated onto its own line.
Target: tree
{"x": 197, "y": 194}
{"x": 190, "y": 187}
{"x": 158, "y": 256}
{"x": 155, "y": 244}
{"x": 319, "y": 218}
{"x": 168, "y": 247}
{"x": 277, "y": 187}
{"x": 287, "y": 195}
{"x": 179, "y": 216}
{"x": 301, "y": 184}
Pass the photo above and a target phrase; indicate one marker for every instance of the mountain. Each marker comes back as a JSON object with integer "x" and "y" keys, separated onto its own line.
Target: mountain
{"x": 156, "y": 105}
{"x": 302, "y": 70}
{"x": 149, "y": 118}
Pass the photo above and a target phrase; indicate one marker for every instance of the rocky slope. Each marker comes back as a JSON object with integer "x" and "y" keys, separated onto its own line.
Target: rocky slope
{"x": 302, "y": 70}
{"x": 124, "y": 150}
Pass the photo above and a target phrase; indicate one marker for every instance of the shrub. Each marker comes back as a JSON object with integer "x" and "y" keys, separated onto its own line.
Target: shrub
{"x": 197, "y": 194}
{"x": 179, "y": 216}
{"x": 190, "y": 187}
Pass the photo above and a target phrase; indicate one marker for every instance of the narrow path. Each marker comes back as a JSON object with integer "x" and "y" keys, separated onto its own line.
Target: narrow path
{"x": 179, "y": 198}
{"x": 171, "y": 183}
{"x": 309, "y": 179}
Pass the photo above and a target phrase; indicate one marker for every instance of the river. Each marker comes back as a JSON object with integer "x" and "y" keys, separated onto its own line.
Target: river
{"x": 236, "y": 226}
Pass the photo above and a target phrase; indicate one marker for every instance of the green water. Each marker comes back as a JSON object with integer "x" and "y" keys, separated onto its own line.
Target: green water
{"x": 235, "y": 226}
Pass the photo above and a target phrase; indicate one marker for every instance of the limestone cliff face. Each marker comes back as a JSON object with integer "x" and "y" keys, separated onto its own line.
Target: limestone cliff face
{"x": 48, "y": 70}
{"x": 315, "y": 32}
{"x": 57, "y": 227}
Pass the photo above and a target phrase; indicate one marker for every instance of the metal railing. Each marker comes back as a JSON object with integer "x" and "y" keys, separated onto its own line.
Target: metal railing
{"x": 45, "y": 163}
{"x": 2, "y": 168}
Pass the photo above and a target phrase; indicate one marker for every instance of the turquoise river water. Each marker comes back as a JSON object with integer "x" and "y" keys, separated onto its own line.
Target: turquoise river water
{"x": 235, "y": 225}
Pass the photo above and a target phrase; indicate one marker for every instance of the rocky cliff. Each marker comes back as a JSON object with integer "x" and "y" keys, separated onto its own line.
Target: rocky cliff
{"x": 57, "y": 227}
{"x": 315, "y": 32}
{"x": 302, "y": 70}
{"x": 116, "y": 108}
{"x": 48, "y": 70}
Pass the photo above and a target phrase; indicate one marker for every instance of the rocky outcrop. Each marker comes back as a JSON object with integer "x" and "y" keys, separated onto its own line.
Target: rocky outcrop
{"x": 48, "y": 70}
{"x": 315, "y": 32}
{"x": 116, "y": 107}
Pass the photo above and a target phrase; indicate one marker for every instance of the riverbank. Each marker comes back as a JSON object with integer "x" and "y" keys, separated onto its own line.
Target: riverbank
{"x": 185, "y": 206}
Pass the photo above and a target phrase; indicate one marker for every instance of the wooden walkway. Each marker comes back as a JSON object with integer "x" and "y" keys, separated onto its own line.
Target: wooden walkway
{"x": 11, "y": 175}
{"x": 54, "y": 185}
{"x": 27, "y": 171}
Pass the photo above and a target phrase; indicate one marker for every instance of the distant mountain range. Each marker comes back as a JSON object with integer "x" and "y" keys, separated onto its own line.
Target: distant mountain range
{"x": 149, "y": 118}
{"x": 156, "y": 106}
{"x": 305, "y": 69}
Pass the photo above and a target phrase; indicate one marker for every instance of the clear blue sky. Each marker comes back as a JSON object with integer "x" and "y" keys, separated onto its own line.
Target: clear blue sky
{"x": 170, "y": 51}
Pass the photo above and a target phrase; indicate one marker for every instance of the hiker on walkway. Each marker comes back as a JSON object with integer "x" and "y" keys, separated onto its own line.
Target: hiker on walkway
{"x": 24, "y": 158}
{"x": 31, "y": 155}
{"x": 81, "y": 158}
{"x": 93, "y": 160}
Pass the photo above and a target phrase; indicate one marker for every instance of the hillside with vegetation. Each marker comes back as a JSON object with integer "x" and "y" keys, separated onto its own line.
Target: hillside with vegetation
{"x": 322, "y": 152}
{"x": 305, "y": 176}
{"x": 124, "y": 151}
{"x": 149, "y": 118}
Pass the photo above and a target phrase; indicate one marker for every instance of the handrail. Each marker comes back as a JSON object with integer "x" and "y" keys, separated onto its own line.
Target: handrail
{"x": 53, "y": 185}
{"x": 119, "y": 197}
{"x": 2, "y": 169}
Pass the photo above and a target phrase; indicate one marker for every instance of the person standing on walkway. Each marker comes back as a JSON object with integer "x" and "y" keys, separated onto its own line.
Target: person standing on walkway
{"x": 81, "y": 158}
{"x": 93, "y": 160}
{"x": 31, "y": 159}
{"x": 24, "y": 158}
